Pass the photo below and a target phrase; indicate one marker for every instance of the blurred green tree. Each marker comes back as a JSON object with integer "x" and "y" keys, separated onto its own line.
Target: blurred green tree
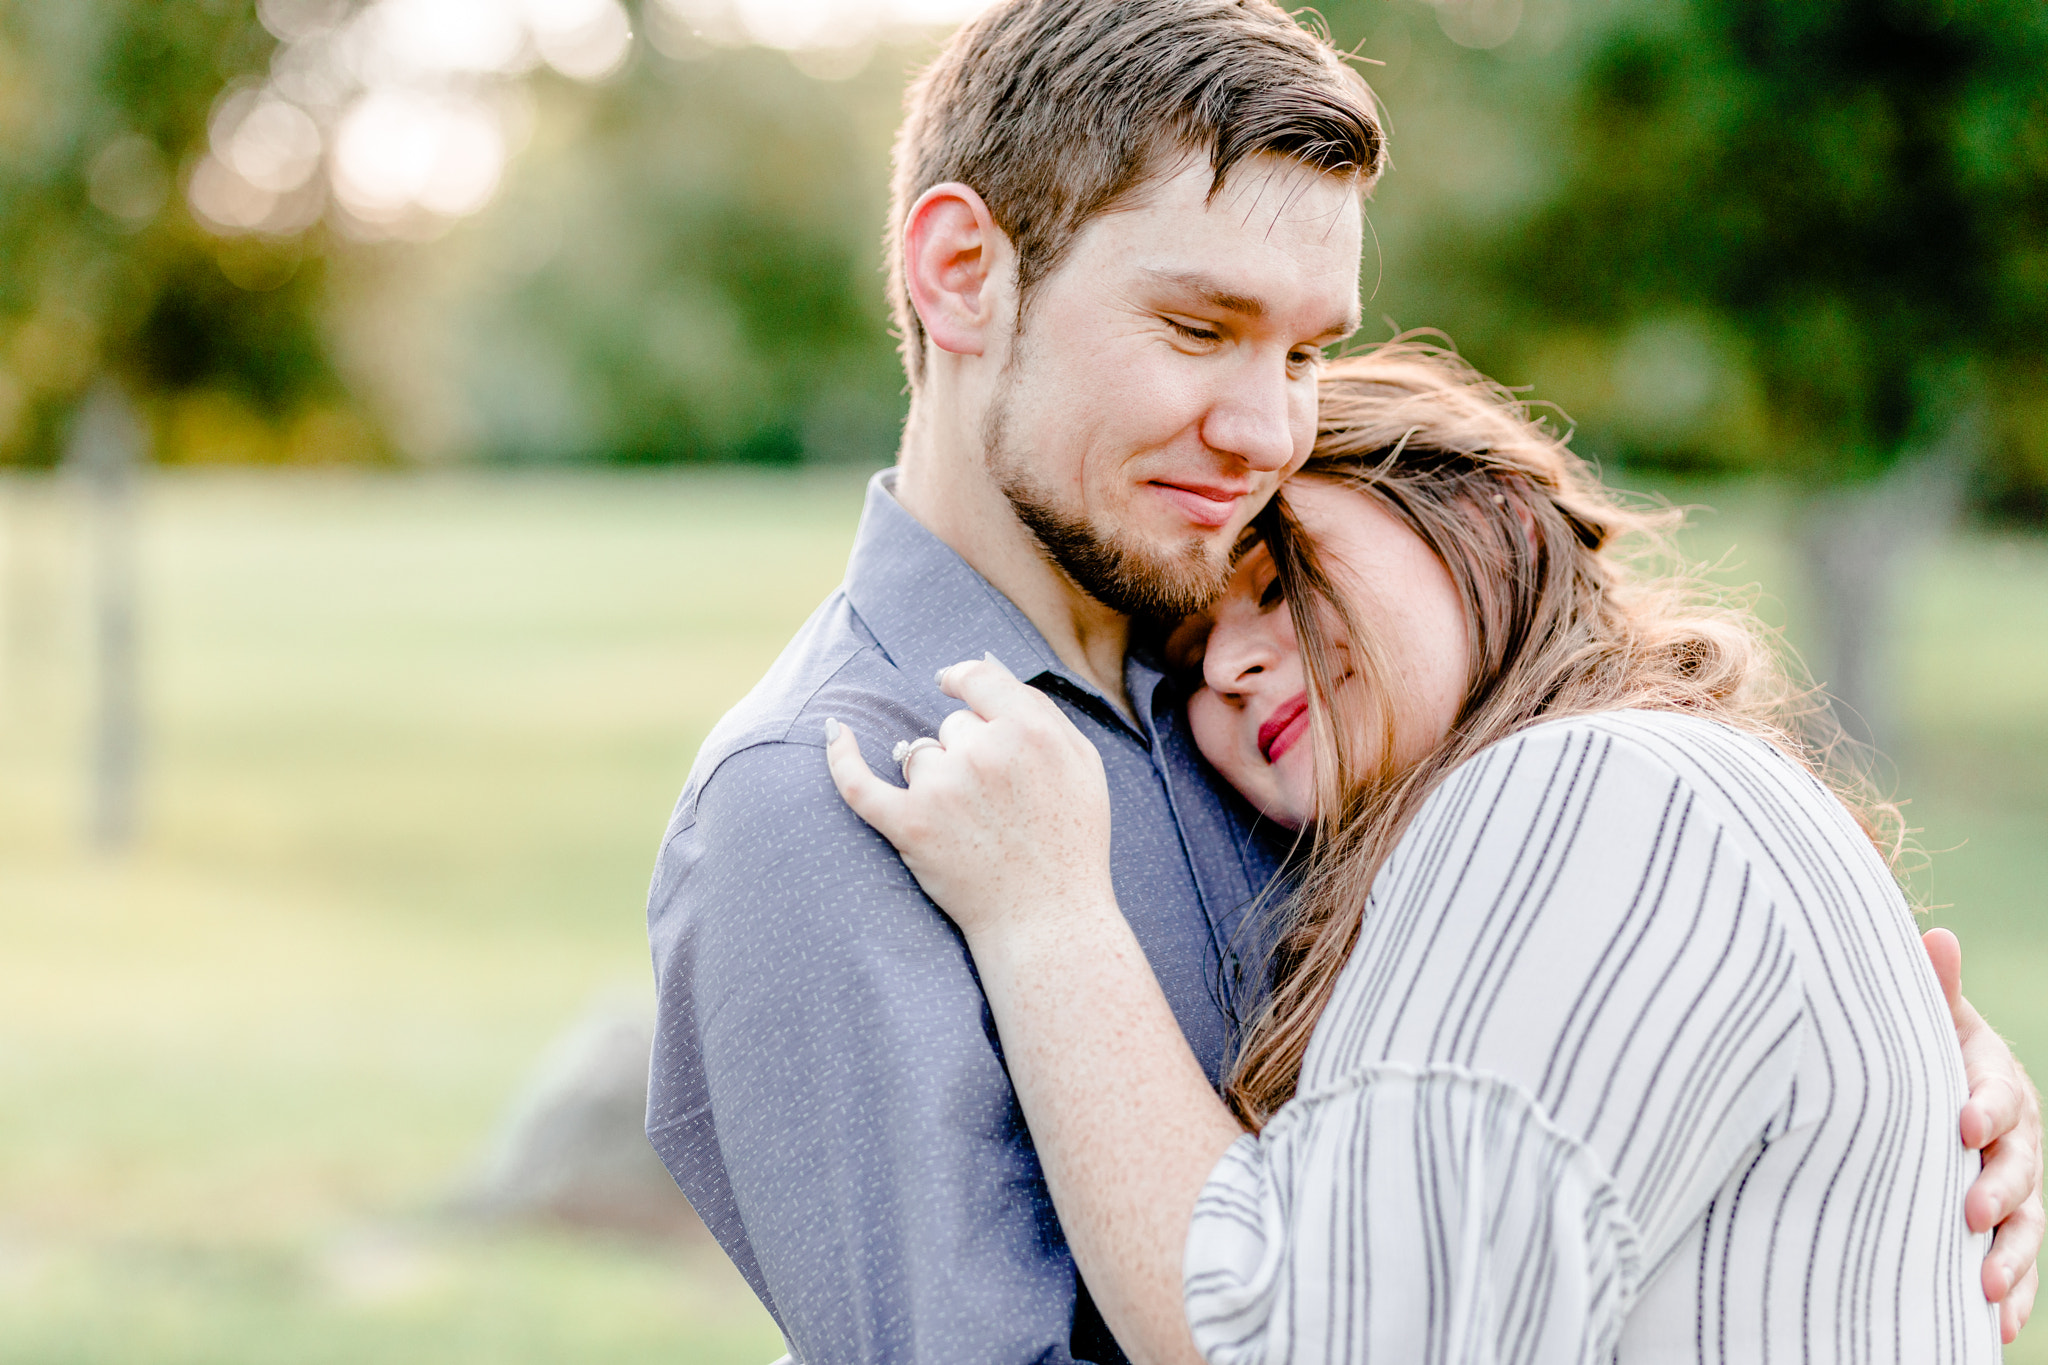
{"x": 102, "y": 270}
{"x": 1807, "y": 238}
{"x": 1829, "y": 220}
{"x": 688, "y": 269}
{"x": 1846, "y": 204}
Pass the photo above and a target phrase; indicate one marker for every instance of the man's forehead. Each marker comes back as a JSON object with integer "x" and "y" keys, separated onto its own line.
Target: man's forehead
{"x": 1224, "y": 250}
{"x": 1278, "y": 186}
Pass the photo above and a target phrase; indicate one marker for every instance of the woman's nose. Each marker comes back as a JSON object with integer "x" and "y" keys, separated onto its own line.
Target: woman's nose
{"x": 1238, "y": 652}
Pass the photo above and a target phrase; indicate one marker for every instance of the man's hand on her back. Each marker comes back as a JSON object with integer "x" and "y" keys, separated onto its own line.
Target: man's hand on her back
{"x": 2002, "y": 1118}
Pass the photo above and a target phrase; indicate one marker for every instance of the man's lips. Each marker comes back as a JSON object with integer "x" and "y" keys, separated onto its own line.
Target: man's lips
{"x": 1205, "y": 504}
{"x": 1288, "y": 723}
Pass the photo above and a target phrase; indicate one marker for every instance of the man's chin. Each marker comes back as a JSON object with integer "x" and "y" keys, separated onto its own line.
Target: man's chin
{"x": 1174, "y": 547}
{"x": 1164, "y": 575}
{"x": 1165, "y": 582}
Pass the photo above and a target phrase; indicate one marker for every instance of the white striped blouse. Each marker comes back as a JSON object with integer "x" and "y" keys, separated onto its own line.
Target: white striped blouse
{"x": 1639, "y": 1059}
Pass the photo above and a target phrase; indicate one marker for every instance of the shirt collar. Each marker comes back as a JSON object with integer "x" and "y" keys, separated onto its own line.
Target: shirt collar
{"x": 928, "y": 608}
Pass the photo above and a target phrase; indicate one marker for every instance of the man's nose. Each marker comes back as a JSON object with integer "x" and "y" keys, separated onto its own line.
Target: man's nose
{"x": 1255, "y": 416}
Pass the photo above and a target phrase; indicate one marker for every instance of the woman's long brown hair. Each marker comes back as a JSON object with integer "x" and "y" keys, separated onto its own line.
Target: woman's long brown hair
{"x": 1574, "y": 604}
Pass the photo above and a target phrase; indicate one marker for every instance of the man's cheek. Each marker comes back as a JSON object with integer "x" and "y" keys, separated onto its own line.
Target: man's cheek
{"x": 1157, "y": 395}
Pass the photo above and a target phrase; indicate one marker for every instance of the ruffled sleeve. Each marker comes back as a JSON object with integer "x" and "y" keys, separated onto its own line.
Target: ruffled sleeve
{"x": 1414, "y": 1215}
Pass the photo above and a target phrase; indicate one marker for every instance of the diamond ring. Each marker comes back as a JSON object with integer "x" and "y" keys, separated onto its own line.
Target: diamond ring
{"x": 905, "y": 748}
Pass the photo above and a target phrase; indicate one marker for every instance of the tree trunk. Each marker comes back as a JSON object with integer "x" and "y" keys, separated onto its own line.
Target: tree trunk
{"x": 1852, "y": 543}
{"x": 106, "y": 445}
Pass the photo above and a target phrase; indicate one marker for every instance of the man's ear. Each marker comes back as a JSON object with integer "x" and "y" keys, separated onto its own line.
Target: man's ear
{"x": 955, "y": 260}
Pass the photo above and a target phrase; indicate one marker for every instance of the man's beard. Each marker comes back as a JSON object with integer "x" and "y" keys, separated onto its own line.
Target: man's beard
{"x": 1118, "y": 571}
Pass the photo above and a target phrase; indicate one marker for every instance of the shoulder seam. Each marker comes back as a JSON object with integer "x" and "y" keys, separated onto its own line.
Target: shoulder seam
{"x": 788, "y": 733}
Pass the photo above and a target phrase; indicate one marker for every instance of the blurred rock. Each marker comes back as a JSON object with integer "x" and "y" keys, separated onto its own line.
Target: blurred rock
{"x": 573, "y": 1147}
{"x": 381, "y": 1267}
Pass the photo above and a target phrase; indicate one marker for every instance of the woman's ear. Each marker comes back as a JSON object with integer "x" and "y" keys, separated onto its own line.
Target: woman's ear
{"x": 955, "y": 260}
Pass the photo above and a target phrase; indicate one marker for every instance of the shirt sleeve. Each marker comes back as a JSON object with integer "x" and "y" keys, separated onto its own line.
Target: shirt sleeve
{"x": 1572, "y": 1013}
{"x": 826, "y": 1077}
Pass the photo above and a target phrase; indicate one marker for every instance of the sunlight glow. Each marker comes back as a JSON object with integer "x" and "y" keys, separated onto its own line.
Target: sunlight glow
{"x": 406, "y": 104}
{"x": 808, "y": 25}
{"x": 585, "y": 40}
{"x": 397, "y": 149}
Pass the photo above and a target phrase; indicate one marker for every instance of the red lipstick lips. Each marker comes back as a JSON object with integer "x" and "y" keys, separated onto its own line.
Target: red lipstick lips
{"x": 1288, "y": 723}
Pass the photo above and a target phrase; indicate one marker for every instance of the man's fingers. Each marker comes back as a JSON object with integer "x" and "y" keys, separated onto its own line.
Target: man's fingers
{"x": 2013, "y": 1251}
{"x": 872, "y": 799}
{"x": 1945, "y": 951}
{"x": 1993, "y": 1109}
{"x": 2001, "y": 1187}
{"x": 1996, "y": 1119}
{"x": 1994, "y": 1103}
{"x": 1998, "y": 1092}
{"x": 2018, "y": 1306}
{"x": 2012, "y": 1157}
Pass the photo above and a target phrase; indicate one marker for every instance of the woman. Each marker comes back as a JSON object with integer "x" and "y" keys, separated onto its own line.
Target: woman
{"x": 1599, "y": 1028}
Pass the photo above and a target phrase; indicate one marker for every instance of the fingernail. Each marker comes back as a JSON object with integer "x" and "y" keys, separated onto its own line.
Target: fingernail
{"x": 989, "y": 656}
{"x": 940, "y": 676}
{"x": 831, "y": 730}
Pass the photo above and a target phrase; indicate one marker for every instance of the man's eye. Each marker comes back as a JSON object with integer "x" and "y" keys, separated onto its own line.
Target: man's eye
{"x": 1306, "y": 360}
{"x": 1202, "y": 334}
{"x": 1272, "y": 597}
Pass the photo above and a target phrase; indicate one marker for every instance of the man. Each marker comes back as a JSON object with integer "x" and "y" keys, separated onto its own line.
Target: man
{"x": 1122, "y": 230}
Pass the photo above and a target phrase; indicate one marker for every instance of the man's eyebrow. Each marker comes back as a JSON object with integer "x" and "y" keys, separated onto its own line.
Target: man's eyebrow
{"x": 1208, "y": 290}
{"x": 1343, "y": 327}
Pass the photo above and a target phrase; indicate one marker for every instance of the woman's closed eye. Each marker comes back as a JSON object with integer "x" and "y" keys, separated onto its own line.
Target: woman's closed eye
{"x": 1185, "y": 643}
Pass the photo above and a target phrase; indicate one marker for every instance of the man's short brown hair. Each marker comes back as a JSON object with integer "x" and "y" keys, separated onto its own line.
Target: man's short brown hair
{"x": 1055, "y": 110}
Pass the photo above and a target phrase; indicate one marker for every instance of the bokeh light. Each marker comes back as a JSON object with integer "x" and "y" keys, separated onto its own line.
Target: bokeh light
{"x": 800, "y": 25}
{"x": 396, "y": 98}
{"x": 397, "y": 150}
{"x": 400, "y": 100}
{"x": 127, "y": 181}
{"x": 586, "y": 40}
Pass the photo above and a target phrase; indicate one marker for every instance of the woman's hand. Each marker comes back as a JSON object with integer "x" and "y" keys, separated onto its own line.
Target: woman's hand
{"x": 1006, "y": 825}
{"x": 1006, "y": 819}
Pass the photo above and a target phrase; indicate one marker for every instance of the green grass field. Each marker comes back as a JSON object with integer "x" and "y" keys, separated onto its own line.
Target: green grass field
{"x": 411, "y": 744}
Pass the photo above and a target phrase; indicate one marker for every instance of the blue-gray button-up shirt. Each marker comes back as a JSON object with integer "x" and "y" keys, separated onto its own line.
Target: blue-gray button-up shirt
{"x": 827, "y": 1085}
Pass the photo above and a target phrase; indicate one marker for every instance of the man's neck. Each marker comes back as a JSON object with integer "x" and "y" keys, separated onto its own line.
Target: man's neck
{"x": 967, "y": 511}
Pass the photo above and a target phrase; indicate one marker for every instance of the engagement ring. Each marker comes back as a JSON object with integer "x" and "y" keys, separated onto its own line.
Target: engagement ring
{"x": 906, "y": 747}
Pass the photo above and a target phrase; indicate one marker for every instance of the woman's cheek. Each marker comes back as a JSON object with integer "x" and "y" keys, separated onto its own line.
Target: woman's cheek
{"x": 1215, "y": 724}
{"x": 1294, "y": 783}
{"x": 1208, "y": 719}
